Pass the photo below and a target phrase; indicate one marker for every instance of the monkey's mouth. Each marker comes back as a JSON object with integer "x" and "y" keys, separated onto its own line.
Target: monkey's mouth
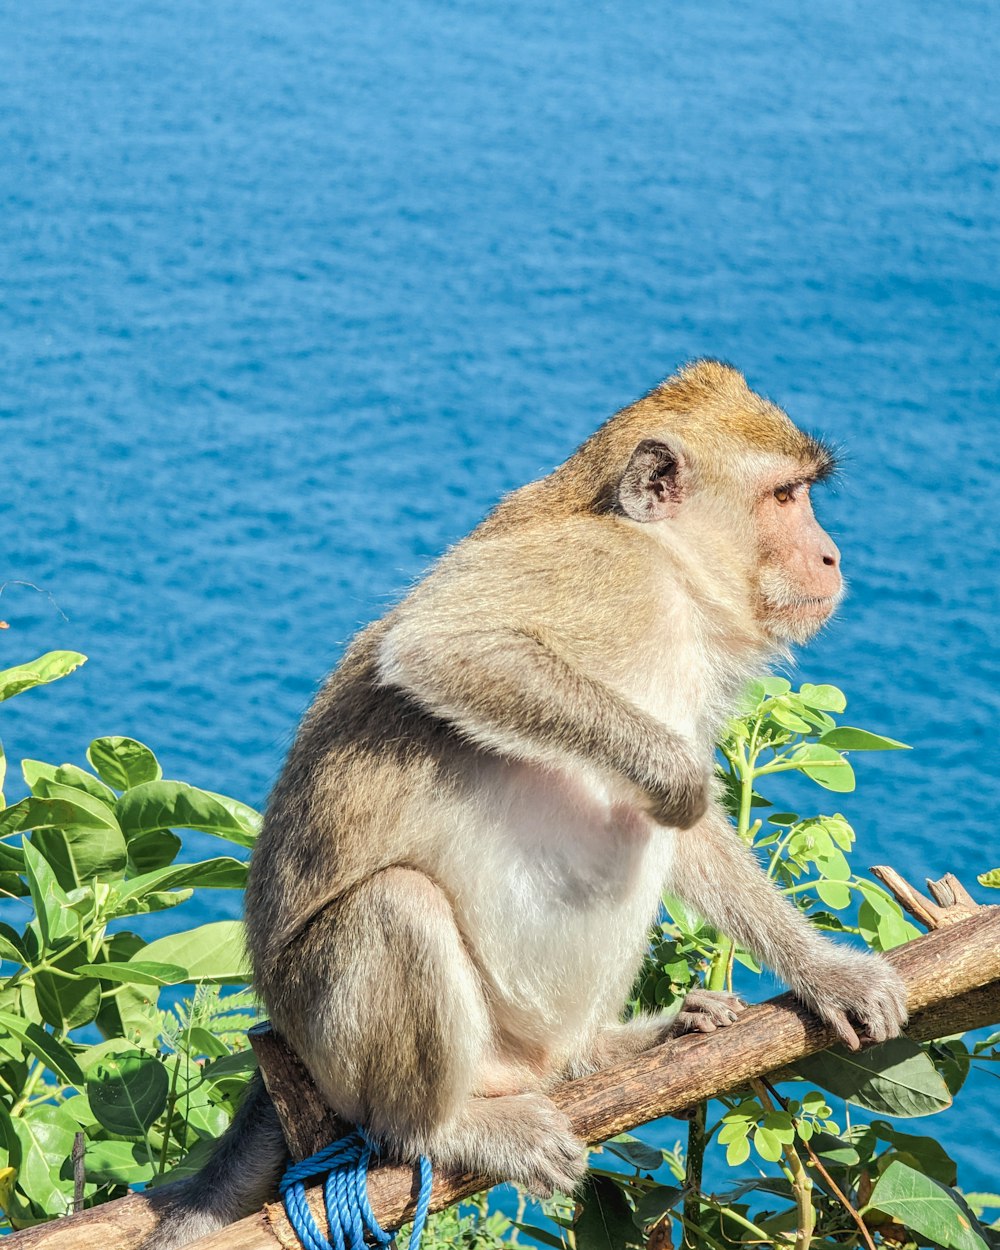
{"x": 820, "y": 605}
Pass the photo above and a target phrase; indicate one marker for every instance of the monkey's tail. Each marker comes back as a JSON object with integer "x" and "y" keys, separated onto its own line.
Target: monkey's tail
{"x": 242, "y": 1174}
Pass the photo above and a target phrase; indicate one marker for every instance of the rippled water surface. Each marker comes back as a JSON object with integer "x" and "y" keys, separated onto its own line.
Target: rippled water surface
{"x": 292, "y": 293}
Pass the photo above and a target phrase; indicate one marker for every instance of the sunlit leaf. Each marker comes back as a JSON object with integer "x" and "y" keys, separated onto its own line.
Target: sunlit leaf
{"x": 123, "y": 762}
{"x": 48, "y": 667}
{"x": 118, "y": 1162}
{"x": 141, "y": 972}
{"x": 825, "y": 766}
{"x": 847, "y": 738}
{"x": 44, "y": 1046}
{"x": 822, "y": 698}
{"x": 212, "y": 952}
{"x": 895, "y": 1078}
{"x": 927, "y": 1207}
{"x": 159, "y": 805}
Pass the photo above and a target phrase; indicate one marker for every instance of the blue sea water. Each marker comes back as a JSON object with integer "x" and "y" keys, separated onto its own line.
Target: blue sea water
{"x": 290, "y": 294}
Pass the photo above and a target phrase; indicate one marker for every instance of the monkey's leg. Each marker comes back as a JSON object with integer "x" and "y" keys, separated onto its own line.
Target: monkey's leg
{"x": 385, "y": 1007}
{"x": 719, "y": 877}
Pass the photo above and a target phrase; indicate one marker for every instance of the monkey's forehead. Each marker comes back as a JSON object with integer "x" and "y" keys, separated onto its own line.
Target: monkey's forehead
{"x": 710, "y": 406}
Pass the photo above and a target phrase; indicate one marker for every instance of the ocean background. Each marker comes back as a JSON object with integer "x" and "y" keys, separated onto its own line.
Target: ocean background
{"x": 291, "y": 294}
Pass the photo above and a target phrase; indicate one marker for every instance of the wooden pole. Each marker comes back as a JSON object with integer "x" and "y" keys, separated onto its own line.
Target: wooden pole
{"x": 952, "y": 978}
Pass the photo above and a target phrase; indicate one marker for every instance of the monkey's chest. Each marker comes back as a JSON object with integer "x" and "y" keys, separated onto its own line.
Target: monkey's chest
{"x": 555, "y": 886}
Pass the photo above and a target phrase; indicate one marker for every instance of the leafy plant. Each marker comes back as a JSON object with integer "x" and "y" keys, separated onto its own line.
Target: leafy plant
{"x": 84, "y": 1045}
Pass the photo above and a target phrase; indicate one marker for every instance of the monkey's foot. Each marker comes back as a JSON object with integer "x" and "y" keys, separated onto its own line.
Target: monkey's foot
{"x": 539, "y": 1150}
{"x": 704, "y": 1011}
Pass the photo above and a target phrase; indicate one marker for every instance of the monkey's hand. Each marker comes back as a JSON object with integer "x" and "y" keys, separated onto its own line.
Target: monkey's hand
{"x": 677, "y": 782}
{"x": 859, "y": 994}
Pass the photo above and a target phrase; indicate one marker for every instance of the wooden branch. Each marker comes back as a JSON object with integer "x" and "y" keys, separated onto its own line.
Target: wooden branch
{"x": 306, "y": 1120}
{"x": 953, "y": 983}
{"x": 953, "y": 902}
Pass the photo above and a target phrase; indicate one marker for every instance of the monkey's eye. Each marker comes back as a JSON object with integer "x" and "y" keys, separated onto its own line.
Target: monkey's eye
{"x": 785, "y": 494}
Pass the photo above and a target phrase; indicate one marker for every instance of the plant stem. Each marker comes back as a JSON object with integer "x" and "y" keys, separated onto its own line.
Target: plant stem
{"x": 694, "y": 1163}
{"x": 838, "y": 1193}
{"x": 800, "y": 1180}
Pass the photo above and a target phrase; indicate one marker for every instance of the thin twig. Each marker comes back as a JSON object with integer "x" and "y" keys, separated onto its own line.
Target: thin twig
{"x": 79, "y": 1172}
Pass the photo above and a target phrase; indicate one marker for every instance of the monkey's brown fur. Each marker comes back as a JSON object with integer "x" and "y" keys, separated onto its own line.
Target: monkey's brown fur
{"x": 458, "y": 867}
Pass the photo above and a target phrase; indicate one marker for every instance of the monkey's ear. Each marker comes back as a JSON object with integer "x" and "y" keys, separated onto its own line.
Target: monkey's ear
{"x": 652, "y": 486}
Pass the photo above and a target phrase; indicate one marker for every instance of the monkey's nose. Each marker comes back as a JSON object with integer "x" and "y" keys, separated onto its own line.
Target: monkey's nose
{"x": 831, "y": 556}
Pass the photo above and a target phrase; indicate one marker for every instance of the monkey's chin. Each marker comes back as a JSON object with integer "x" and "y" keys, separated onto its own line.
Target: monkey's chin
{"x": 800, "y": 620}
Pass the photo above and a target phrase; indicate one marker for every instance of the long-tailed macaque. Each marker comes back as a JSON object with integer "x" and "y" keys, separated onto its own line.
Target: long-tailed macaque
{"x": 459, "y": 865}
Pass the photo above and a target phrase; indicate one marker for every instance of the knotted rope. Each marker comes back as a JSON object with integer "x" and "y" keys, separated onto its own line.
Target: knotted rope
{"x": 345, "y": 1190}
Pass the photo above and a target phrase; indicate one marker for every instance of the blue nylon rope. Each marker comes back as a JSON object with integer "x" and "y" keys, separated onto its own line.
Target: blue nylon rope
{"x": 345, "y": 1192}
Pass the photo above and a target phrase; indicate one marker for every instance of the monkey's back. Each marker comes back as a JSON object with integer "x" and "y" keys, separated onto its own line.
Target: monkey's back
{"x": 363, "y": 760}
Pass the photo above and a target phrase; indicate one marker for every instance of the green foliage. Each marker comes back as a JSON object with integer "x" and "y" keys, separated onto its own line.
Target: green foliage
{"x": 87, "y": 1046}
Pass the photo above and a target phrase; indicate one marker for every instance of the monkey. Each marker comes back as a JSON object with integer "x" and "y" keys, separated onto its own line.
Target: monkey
{"x": 452, "y": 891}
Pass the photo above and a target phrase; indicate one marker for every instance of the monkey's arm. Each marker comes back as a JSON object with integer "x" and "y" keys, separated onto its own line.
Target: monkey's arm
{"x": 511, "y": 690}
{"x": 720, "y": 878}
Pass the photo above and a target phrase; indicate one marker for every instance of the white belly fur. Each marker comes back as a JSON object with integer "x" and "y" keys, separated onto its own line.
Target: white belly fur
{"x": 555, "y": 875}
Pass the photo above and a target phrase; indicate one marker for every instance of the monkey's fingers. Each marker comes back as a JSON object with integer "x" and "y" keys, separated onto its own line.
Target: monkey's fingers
{"x": 839, "y": 1022}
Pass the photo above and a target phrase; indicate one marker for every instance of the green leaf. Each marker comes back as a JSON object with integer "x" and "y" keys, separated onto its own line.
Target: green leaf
{"x": 788, "y": 719}
{"x": 128, "y": 1092}
{"x": 825, "y": 766}
{"x": 822, "y": 698}
{"x": 11, "y": 946}
{"x": 773, "y": 686}
{"x": 929, "y": 1155}
{"x": 930, "y": 1209}
{"x": 173, "y": 805}
{"x": 67, "y": 1002}
{"x": 983, "y": 1202}
{"x": 895, "y": 1078}
{"x": 541, "y": 1235}
{"x": 48, "y": 896}
{"x": 45, "y": 1136}
{"x": 834, "y": 893}
{"x": 78, "y": 836}
{"x": 847, "y": 738}
{"x": 738, "y": 1151}
{"x": 122, "y": 762}
{"x": 635, "y": 1152}
{"x": 605, "y": 1223}
{"x": 655, "y": 1203}
{"x": 767, "y": 1144}
{"x": 991, "y": 878}
{"x": 40, "y": 777}
{"x": 212, "y": 952}
{"x": 117, "y": 1163}
{"x": 142, "y": 972}
{"x": 44, "y": 1046}
{"x": 201, "y": 1041}
{"x": 150, "y": 851}
{"x": 48, "y": 667}
{"x": 835, "y": 1149}
{"x": 222, "y": 873}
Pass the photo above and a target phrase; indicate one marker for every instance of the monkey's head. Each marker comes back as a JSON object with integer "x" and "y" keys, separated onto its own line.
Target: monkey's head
{"x": 703, "y": 460}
